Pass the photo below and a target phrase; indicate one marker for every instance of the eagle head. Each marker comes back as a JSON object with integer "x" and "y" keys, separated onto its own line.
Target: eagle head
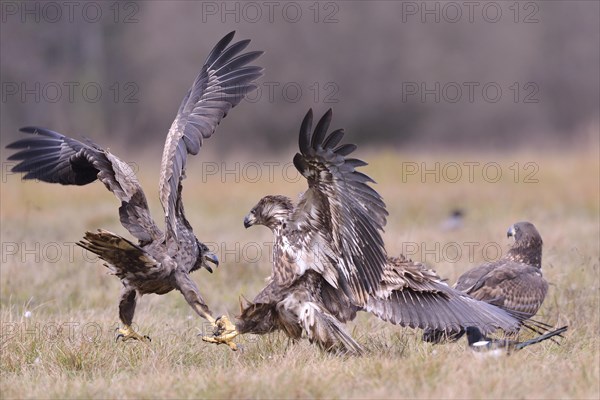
{"x": 271, "y": 211}
{"x": 206, "y": 256}
{"x": 528, "y": 243}
{"x": 524, "y": 232}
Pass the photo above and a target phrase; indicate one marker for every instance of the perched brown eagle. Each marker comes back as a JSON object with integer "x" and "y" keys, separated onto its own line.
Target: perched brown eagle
{"x": 514, "y": 282}
{"x": 330, "y": 260}
{"x": 159, "y": 262}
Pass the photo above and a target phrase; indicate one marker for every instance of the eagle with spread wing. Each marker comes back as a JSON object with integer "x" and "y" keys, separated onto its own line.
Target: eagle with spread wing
{"x": 514, "y": 282}
{"x": 329, "y": 259}
{"x": 160, "y": 261}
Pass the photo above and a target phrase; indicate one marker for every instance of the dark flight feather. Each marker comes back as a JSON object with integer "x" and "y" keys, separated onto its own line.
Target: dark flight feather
{"x": 222, "y": 83}
{"x": 158, "y": 263}
{"x": 341, "y": 200}
{"x": 415, "y": 296}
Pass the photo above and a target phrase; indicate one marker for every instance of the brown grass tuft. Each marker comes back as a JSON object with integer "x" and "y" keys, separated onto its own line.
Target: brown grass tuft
{"x": 58, "y": 312}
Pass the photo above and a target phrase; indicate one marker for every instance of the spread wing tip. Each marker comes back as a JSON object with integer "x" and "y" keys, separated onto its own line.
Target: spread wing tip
{"x": 304, "y": 139}
{"x": 225, "y": 78}
{"x": 28, "y": 141}
{"x": 29, "y": 129}
{"x": 318, "y": 139}
{"x": 355, "y": 210}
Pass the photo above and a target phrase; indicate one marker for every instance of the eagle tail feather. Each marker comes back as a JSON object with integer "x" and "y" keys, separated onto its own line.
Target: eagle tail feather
{"x": 120, "y": 254}
{"x": 327, "y": 331}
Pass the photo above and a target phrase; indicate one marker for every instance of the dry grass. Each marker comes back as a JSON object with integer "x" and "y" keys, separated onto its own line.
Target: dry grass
{"x": 81, "y": 360}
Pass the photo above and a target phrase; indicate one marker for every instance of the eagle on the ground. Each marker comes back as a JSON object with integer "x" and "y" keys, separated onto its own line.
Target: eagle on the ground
{"x": 329, "y": 259}
{"x": 160, "y": 261}
{"x": 514, "y": 282}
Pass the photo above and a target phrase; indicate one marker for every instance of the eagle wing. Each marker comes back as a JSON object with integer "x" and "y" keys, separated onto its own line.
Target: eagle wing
{"x": 415, "y": 296}
{"x": 510, "y": 285}
{"x": 224, "y": 80}
{"x": 336, "y": 227}
{"x": 55, "y": 158}
{"x": 470, "y": 278}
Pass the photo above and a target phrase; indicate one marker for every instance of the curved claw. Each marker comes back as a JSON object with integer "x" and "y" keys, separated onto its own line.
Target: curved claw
{"x": 225, "y": 325}
{"x": 127, "y": 333}
{"x": 218, "y": 340}
{"x": 224, "y": 333}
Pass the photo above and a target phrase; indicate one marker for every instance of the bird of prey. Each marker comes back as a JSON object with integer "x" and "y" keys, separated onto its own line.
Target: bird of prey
{"x": 160, "y": 261}
{"x": 481, "y": 344}
{"x": 514, "y": 282}
{"x": 329, "y": 259}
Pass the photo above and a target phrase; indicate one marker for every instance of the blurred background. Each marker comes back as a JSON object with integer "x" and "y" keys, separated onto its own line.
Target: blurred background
{"x": 472, "y": 116}
{"x": 423, "y": 75}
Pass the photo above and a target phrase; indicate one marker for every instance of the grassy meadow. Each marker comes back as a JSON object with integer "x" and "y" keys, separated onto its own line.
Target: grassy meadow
{"x": 58, "y": 305}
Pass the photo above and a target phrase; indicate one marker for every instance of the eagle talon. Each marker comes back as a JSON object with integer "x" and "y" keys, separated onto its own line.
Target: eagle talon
{"x": 223, "y": 333}
{"x": 126, "y": 333}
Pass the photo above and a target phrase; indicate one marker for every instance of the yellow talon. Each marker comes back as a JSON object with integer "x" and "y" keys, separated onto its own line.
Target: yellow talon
{"x": 224, "y": 333}
{"x": 127, "y": 333}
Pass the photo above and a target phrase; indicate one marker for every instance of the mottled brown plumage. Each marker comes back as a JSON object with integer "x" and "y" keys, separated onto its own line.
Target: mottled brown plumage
{"x": 514, "y": 282}
{"x": 160, "y": 262}
{"x": 329, "y": 260}
{"x": 328, "y": 254}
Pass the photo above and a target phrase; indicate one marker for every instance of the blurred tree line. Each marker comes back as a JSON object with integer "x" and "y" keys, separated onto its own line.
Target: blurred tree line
{"x": 441, "y": 74}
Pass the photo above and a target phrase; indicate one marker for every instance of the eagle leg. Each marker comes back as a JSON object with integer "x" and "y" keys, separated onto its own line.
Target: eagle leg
{"x": 224, "y": 333}
{"x": 190, "y": 292}
{"x": 126, "y": 310}
{"x": 127, "y": 333}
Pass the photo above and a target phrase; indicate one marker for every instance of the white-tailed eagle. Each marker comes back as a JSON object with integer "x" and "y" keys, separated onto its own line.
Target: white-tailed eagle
{"x": 160, "y": 261}
{"x": 330, "y": 261}
{"x": 514, "y": 282}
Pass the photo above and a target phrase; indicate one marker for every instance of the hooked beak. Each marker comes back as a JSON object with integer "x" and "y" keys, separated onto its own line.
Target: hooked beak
{"x": 249, "y": 220}
{"x": 212, "y": 258}
{"x": 511, "y": 232}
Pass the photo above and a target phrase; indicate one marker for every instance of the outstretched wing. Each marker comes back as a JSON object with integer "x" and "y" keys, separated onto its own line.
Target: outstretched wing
{"x": 510, "y": 285}
{"x": 337, "y": 224}
{"x": 223, "y": 82}
{"x": 55, "y": 158}
{"x": 415, "y": 296}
